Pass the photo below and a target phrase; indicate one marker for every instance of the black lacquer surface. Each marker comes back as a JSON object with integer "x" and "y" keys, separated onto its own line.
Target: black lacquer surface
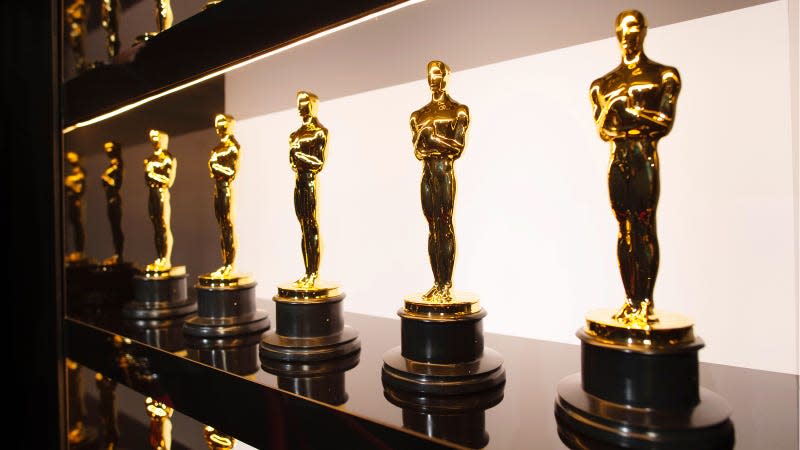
{"x": 194, "y": 47}
{"x": 765, "y": 412}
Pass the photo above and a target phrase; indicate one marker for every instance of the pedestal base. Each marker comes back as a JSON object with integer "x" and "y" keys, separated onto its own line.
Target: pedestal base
{"x": 639, "y": 388}
{"x": 93, "y": 288}
{"x": 401, "y": 373}
{"x": 309, "y": 329}
{"x": 226, "y": 311}
{"x": 160, "y": 297}
{"x": 591, "y": 423}
{"x": 442, "y": 353}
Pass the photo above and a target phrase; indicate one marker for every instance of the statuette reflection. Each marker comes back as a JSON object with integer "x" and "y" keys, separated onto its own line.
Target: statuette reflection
{"x": 439, "y": 135}
{"x": 634, "y": 107}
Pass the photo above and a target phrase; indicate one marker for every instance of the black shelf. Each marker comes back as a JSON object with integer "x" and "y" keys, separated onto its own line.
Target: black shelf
{"x": 221, "y": 35}
{"x": 262, "y": 408}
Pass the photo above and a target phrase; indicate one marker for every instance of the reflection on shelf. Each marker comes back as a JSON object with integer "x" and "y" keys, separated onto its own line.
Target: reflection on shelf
{"x": 460, "y": 419}
{"x": 323, "y": 381}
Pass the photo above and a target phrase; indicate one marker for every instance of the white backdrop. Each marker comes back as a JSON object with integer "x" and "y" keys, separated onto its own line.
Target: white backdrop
{"x": 536, "y": 236}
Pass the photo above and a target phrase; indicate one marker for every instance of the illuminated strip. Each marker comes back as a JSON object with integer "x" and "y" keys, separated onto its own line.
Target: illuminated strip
{"x": 292, "y": 45}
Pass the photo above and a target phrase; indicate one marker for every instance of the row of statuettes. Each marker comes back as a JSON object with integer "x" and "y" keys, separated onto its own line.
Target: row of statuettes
{"x": 633, "y": 107}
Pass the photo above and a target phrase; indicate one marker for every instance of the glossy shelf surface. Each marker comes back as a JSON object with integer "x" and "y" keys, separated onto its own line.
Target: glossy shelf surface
{"x": 262, "y": 409}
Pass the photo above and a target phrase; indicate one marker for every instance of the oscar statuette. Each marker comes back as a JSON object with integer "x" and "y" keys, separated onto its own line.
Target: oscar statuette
{"x": 112, "y": 280}
{"x": 638, "y": 386}
{"x": 80, "y": 435}
{"x": 78, "y": 268}
{"x": 309, "y": 321}
{"x": 160, "y": 290}
{"x": 109, "y": 20}
{"x": 226, "y": 299}
{"x": 75, "y": 188}
{"x": 160, "y": 415}
{"x": 164, "y": 18}
{"x": 75, "y": 16}
{"x": 108, "y": 411}
{"x": 441, "y": 349}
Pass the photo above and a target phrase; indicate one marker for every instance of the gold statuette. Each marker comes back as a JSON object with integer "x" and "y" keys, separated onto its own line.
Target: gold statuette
{"x": 160, "y": 424}
{"x": 159, "y": 174}
{"x": 75, "y": 22}
{"x": 75, "y": 183}
{"x": 217, "y": 440}
{"x": 108, "y": 410}
{"x": 634, "y": 107}
{"x": 109, "y": 19}
{"x": 223, "y": 166}
{"x": 112, "y": 183}
{"x": 307, "y": 148}
{"x": 439, "y": 135}
{"x": 163, "y": 12}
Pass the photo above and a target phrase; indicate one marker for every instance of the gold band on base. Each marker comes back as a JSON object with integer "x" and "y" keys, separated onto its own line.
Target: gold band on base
{"x": 233, "y": 280}
{"x": 671, "y": 329}
{"x": 461, "y": 303}
{"x": 174, "y": 271}
{"x": 321, "y": 290}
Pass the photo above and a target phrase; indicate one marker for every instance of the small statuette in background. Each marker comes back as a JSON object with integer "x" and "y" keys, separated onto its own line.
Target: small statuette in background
{"x": 310, "y": 325}
{"x": 75, "y": 188}
{"x": 441, "y": 329}
{"x": 111, "y": 280}
{"x": 75, "y": 22}
{"x": 163, "y": 14}
{"x": 112, "y": 184}
{"x": 109, "y": 20}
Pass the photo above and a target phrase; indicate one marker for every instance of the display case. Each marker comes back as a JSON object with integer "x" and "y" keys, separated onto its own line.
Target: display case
{"x": 535, "y": 236}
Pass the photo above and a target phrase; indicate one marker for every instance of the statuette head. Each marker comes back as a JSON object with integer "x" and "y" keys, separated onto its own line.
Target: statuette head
{"x": 72, "y": 158}
{"x": 631, "y": 28}
{"x": 438, "y": 74}
{"x": 223, "y": 124}
{"x": 159, "y": 139}
{"x": 307, "y": 104}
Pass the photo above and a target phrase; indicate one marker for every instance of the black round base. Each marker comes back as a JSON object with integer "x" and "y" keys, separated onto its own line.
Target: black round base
{"x": 404, "y": 374}
{"x": 93, "y": 288}
{"x": 199, "y": 326}
{"x": 159, "y": 298}
{"x": 309, "y": 330}
{"x": 275, "y": 347}
{"x": 589, "y": 422}
{"x": 226, "y": 311}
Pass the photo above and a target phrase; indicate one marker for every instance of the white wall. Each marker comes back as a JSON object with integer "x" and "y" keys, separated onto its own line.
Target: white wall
{"x": 536, "y": 237}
